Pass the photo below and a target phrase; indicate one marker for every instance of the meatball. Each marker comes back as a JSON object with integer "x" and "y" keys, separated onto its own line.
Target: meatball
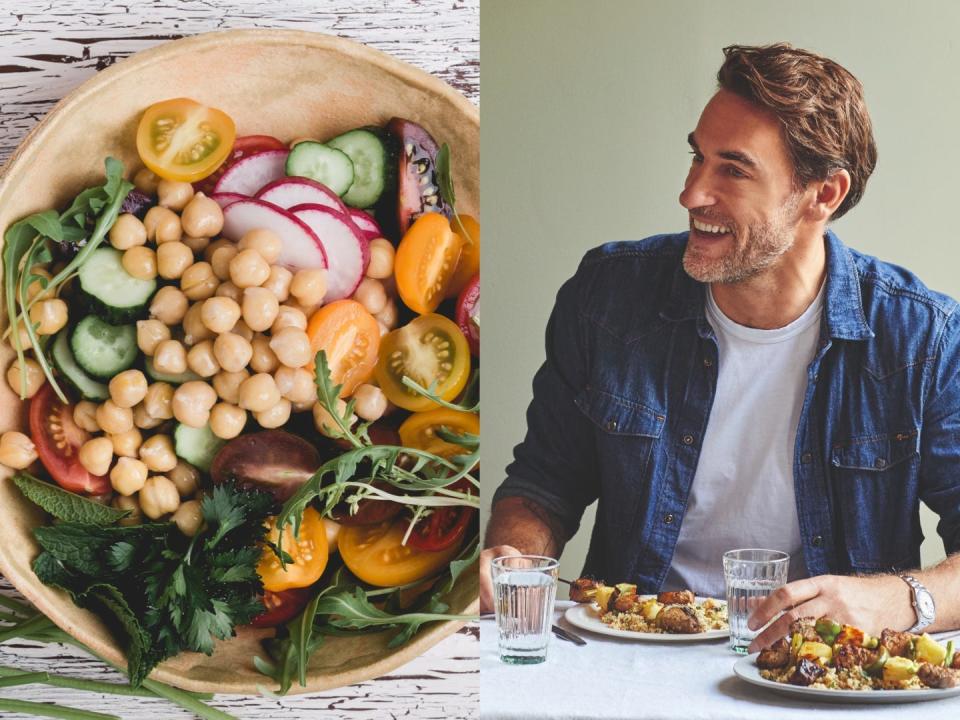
{"x": 807, "y": 672}
{"x": 938, "y": 677}
{"x": 805, "y": 626}
{"x": 896, "y": 643}
{"x": 679, "y": 619}
{"x": 583, "y": 590}
{"x": 676, "y": 597}
{"x": 774, "y": 657}
{"x": 848, "y": 656}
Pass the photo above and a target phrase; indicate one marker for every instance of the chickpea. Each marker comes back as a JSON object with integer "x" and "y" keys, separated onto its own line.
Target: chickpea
{"x": 249, "y": 269}
{"x": 275, "y": 416}
{"x": 162, "y": 225}
{"x": 17, "y": 451}
{"x": 128, "y": 388}
{"x": 114, "y": 419}
{"x": 289, "y": 316}
{"x": 131, "y": 503}
{"x": 186, "y": 477}
{"x": 309, "y": 286}
{"x": 192, "y": 402}
{"x": 263, "y": 358}
{"x": 227, "y": 421}
{"x": 243, "y": 330}
{"x": 169, "y": 305}
{"x": 202, "y": 217}
{"x": 127, "y": 444}
{"x": 296, "y": 384}
{"x": 140, "y": 262}
{"x": 127, "y": 232}
{"x": 198, "y": 281}
{"x": 146, "y": 181}
{"x": 229, "y": 290}
{"x": 36, "y": 287}
{"x": 324, "y": 421}
{"x": 260, "y": 308}
{"x": 258, "y": 393}
{"x": 144, "y": 420}
{"x": 383, "y": 329}
{"x": 188, "y": 517}
{"x": 33, "y": 377}
{"x": 219, "y": 314}
{"x": 264, "y": 241}
{"x": 227, "y": 384}
{"x": 174, "y": 194}
{"x": 221, "y": 259}
{"x": 292, "y": 347}
{"x": 85, "y": 416}
{"x": 158, "y": 497}
{"x": 22, "y": 336}
{"x": 128, "y": 475}
{"x": 151, "y": 333}
{"x": 279, "y": 282}
{"x": 95, "y": 455}
{"x": 170, "y": 357}
{"x": 388, "y": 316}
{"x": 157, "y": 453}
{"x": 201, "y": 359}
{"x": 382, "y": 255}
{"x": 172, "y": 259}
{"x": 50, "y": 314}
{"x": 158, "y": 402}
{"x": 196, "y": 244}
{"x": 232, "y": 351}
{"x": 194, "y": 330}
{"x": 216, "y": 245}
{"x": 371, "y": 295}
{"x": 371, "y": 403}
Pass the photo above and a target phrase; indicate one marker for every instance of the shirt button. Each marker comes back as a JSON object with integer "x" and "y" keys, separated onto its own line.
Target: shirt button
{"x": 707, "y": 362}
{"x": 880, "y": 463}
{"x": 806, "y": 457}
{"x": 668, "y": 519}
{"x": 611, "y": 425}
{"x": 817, "y": 540}
{"x": 687, "y": 439}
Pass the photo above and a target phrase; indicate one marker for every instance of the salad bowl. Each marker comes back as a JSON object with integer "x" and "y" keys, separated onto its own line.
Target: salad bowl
{"x": 288, "y": 84}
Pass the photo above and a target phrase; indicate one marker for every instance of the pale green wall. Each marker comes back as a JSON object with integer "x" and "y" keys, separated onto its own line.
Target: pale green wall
{"x": 586, "y": 108}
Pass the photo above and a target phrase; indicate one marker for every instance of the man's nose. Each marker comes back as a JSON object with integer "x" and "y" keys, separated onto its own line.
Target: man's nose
{"x": 696, "y": 190}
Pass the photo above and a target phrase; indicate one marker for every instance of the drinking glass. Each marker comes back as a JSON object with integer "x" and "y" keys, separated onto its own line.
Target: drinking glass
{"x": 750, "y": 575}
{"x": 524, "y": 588}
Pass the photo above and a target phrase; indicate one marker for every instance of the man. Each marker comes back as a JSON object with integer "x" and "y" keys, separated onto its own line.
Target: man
{"x": 752, "y": 382}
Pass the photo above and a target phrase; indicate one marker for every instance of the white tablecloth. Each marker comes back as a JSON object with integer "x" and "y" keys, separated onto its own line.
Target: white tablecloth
{"x": 611, "y": 678}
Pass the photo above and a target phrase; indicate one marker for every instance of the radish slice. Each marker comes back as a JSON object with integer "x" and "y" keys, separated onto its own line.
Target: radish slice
{"x": 291, "y": 191}
{"x": 251, "y": 173}
{"x": 347, "y": 249}
{"x": 301, "y": 247}
{"x": 368, "y": 226}
{"x": 224, "y": 199}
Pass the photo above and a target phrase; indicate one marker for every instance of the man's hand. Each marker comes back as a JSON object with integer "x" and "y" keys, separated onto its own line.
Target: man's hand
{"x": 870, "y": 603}
{"x": 486, "y": 577}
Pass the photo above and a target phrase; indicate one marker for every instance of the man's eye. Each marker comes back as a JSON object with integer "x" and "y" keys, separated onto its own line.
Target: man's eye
{"x": 697, "y": 157}
{"x": 734, "y": 171}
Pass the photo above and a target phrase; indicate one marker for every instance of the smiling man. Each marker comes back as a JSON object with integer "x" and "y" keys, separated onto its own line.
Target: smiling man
{"x": 752, "y": 382}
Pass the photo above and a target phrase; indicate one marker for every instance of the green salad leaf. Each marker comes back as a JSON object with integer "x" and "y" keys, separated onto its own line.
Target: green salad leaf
{"x": 65, "y": 505}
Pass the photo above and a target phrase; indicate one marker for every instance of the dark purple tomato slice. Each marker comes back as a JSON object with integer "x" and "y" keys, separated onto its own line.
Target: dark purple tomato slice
{"x": 272, "y": 460}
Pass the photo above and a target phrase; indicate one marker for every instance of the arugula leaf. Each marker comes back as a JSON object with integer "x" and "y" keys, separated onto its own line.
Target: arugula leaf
{"x": 65, "y": 505}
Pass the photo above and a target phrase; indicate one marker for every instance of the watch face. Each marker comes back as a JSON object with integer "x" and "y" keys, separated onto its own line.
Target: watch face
{"x": 925, "y": 604}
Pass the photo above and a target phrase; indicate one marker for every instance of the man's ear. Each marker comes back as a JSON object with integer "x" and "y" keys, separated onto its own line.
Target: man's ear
{"x": 830, "y": 193}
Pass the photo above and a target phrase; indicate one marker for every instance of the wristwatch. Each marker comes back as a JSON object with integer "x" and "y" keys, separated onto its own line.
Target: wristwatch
{"x": 922, "y": 602}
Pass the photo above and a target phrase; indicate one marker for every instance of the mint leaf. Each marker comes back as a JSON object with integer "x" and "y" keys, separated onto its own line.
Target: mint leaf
{"x": 121, "y": 556}
{"x": 65, "y": 505}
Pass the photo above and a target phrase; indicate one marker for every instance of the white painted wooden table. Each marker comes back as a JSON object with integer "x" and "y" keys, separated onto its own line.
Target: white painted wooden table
{"x": 46, "y": 50}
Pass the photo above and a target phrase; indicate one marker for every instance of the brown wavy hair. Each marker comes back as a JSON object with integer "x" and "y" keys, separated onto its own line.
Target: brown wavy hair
{"x": 820, "y": 105}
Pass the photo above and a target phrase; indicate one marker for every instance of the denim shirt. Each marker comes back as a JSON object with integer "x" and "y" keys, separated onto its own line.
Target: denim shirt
{"x": 622, "y": 401}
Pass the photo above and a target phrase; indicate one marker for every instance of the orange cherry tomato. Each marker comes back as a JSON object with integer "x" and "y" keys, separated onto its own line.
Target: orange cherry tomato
{"x": 420, "y": 430}
{"x": 469, "y": 265}
{"x": 374, "y": 554}
{"x": 426, "y": 261}
{"x": 183, "y": 140}
{"x": 350, "y": 337}
{"x": 429, "y": 349}
{"x": 309, "y": 552}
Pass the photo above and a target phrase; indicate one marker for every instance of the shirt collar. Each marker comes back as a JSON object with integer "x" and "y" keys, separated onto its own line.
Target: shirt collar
{"x": 843, "y": 312}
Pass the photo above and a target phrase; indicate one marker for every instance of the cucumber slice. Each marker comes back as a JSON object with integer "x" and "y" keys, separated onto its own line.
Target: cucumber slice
{"x": 324, "y": 164}
{"x": 179, "y": 379}
{"x": 110, "y": 291}
{"x": 369, "y": 156}
{"x": 102, "y": 349}
{"x": 198, "y": 446}
{"x": 64, "y": 361}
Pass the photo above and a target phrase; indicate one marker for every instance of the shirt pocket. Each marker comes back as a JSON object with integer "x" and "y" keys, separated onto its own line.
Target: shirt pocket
{"x": 877, "y": 481}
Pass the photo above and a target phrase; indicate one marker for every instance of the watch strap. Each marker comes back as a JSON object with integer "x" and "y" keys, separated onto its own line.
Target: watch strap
{"x": 916, "y": 588}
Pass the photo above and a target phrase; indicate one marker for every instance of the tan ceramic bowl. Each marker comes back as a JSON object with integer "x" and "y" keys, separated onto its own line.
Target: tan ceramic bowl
{"x": 284, "y": 83}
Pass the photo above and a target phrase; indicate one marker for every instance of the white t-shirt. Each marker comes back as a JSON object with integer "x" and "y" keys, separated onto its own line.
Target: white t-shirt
{"x": 743, "y": 490}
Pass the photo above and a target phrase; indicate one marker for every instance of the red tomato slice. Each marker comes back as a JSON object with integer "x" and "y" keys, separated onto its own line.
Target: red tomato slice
{"x": 58, "y": 439}
{"x": 281, "y": 607}
{"x": 242, "y": 146}
{"x": 444, "y": 526}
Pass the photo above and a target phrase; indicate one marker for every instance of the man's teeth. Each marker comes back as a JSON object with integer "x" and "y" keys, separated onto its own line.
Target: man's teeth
{"x": 704, "y": 227}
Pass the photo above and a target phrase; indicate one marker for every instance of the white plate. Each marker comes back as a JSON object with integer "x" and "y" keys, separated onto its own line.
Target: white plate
{"x": 587, "y": 617}
{"x": 746, "y": 669}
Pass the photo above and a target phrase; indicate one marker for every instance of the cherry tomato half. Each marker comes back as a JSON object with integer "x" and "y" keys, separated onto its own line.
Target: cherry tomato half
{"x": 58, "y": 439}
{"x": 429, "y": 349}
{"x": 469, "y": 264}
{"x": 444, "y": 527}
{"x": 350, "y": 337}
{"x": 281, "y": 607}
{"x": 374, "y": 554}
{"x": 309, "y": 552}
{"x": 420, "y": 430}
{"x": 425, "y": 262}
{"x": 243, "y": 146}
